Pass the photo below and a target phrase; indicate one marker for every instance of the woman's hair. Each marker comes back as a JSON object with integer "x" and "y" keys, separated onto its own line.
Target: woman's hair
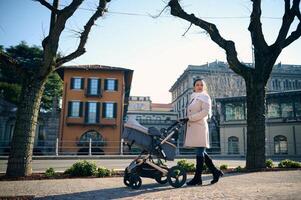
{"x": 204, "y": 84}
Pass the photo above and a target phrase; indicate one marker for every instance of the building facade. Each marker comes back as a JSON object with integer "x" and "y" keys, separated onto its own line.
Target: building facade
{"x": 223, "y": 82}
{"x": 151, "y": 114}
{"x": 46, "y": 131}
{"x": 95, "y": 101}
{"x": 283, "y": 124}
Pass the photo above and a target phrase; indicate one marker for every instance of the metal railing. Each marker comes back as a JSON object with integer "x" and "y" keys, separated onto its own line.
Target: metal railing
{"x": 90, "y": 148}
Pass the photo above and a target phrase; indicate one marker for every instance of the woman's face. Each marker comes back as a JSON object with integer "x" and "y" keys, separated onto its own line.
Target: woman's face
{"x": 198, "y": 87}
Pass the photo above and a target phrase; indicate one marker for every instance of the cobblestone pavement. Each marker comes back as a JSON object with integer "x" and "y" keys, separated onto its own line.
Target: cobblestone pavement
{"x": 259, "y": 185}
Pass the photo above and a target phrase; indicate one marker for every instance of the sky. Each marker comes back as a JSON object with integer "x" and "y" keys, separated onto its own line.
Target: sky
{"x": 127, "y": 36}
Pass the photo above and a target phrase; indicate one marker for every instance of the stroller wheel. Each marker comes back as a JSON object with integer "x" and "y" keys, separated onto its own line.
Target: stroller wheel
{"x": 176, "y": 176}
{"x": 126, "y": 178}
{"x": 135, "y": 181}
{"x": 161, "y": 180}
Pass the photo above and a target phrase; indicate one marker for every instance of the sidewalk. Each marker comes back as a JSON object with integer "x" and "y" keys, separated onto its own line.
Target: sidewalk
{"x": 259, "y": 185}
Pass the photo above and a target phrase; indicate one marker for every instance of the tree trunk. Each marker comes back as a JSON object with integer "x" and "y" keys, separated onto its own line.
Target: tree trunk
{"x": 256, "y": 123}
{"x": 20, "y": 159}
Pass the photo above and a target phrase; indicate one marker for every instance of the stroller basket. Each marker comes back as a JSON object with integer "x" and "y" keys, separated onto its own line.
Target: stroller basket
{"x": 135, "y": 133}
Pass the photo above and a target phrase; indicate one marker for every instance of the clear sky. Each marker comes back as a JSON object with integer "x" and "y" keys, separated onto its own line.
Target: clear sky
{"x": 154, "y": 48}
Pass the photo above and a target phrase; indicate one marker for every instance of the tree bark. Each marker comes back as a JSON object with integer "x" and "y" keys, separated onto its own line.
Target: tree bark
{"x": 255, "y": 89}
{"x": 20, "y": 159}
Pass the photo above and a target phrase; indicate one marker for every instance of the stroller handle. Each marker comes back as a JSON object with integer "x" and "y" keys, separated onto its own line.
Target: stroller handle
{"x": 180, "y": 123}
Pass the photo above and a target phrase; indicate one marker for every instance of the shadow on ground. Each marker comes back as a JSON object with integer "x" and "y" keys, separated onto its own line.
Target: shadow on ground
{"x": 121, "y": 192}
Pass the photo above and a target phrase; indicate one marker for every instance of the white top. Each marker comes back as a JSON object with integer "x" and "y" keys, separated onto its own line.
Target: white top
{"x": 204, "y": 97}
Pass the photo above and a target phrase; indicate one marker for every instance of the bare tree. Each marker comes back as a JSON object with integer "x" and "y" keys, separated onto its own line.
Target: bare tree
{"x": 34, "y": 78}
{"x": 225, "y": 85}
{"x": 255, "y": 78}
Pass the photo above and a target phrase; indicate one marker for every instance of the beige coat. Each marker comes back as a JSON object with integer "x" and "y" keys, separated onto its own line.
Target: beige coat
{"x": 197, "y": 131}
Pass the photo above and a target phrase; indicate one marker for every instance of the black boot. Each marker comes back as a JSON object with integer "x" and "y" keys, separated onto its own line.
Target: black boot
{"x": 215, "y": 172}
{"x": 197, "y": 179}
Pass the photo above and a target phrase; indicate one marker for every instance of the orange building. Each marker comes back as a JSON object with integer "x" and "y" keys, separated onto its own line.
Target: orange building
{"x": 95, "y": 100}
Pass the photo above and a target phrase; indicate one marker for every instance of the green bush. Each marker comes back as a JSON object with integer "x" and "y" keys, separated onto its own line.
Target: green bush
{"x": 50, "y": 172}
{"x": 289, "y": 164}
{"x": 223, "y": 167}
{"x": 238, "y": 169}
{"x": 188, "y": 166}
{"x": 269, "y": 163}
{"x": 82, "y": 168}
{"x": 103, "y": 172}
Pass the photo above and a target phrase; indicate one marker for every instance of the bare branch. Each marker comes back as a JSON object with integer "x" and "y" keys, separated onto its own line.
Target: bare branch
{"x": 293, "y": 37}
{"x": 47, "y": 5}
{"x": 50, "y": 43}
{"x": 227, "y": 45}
{"x": 187, "y": 29}
{"x": 84, "y": 35}
{"x": 156, "y": 16}
{"x": 287, "y": 20}
{"x": 255, "y": 27}
{"x": 9, "y": 62}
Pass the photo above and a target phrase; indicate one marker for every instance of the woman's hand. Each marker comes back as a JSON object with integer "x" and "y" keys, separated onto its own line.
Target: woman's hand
{"x": 185, "y": 119}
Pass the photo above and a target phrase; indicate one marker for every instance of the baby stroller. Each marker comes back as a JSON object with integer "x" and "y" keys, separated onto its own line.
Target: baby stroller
{"x": 154, "y": 144}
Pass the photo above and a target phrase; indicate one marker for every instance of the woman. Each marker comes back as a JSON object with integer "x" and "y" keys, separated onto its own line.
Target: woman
{"x": 197, "y": 132}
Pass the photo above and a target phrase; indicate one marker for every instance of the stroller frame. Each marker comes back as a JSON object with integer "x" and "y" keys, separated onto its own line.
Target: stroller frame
{"x": 144, "y": 165}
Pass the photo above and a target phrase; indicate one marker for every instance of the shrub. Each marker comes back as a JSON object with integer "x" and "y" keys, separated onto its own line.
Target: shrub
{"x": 223, "y": 167}
{"x": 188, "y": 166}
{"x": 238, "y": 169}
{"x": 269, "y": 163}
{"x": 82, "y": 168}
{"x": 289, "y": 164}
{"x": 50, "y": 172}
{"x": 103, "y": 172}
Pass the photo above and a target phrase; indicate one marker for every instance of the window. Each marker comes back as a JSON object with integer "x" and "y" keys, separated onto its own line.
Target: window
{"x": 92, "y": 112}
{"x": 41, "y": 135}
{"x": 287, "y": 110}
{"x": 94, "y": 85}
{"x": 109, "y": 110}
{"x": 97, "y": 139}
{"x": 273, "y": 110}
{"x": 234, "y": 111}
{"x": 111, "y": 84}
{"x": 75, "y": 109}
{"x": 77, "y": 83}
{"x": 280, "y": 144}
{"x": 298, "y": 108}
{"x": 233, "y": 145}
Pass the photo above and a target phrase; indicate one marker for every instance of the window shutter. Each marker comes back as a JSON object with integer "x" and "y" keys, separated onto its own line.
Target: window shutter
{"x": 115, "y": 110}
{"x": 69, "y": 108}
{"x": 106, "y": 84}
{"x": 86, "y": 112}
{"x": 104, "y": 107}
{"x": 89, "y": 86}
{"x": 72, "y": 83}
{"x": 116, "y": 85}
{"x": 97, "y": 112}
{"x": 81, "y": 109}
{"x": 99, "y": 87}
{"x": 82, "y": 83}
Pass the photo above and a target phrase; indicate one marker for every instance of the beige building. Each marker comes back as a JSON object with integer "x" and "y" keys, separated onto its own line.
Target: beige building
{"x": 283, "y": 124}
{"x": 151, "y": 114}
